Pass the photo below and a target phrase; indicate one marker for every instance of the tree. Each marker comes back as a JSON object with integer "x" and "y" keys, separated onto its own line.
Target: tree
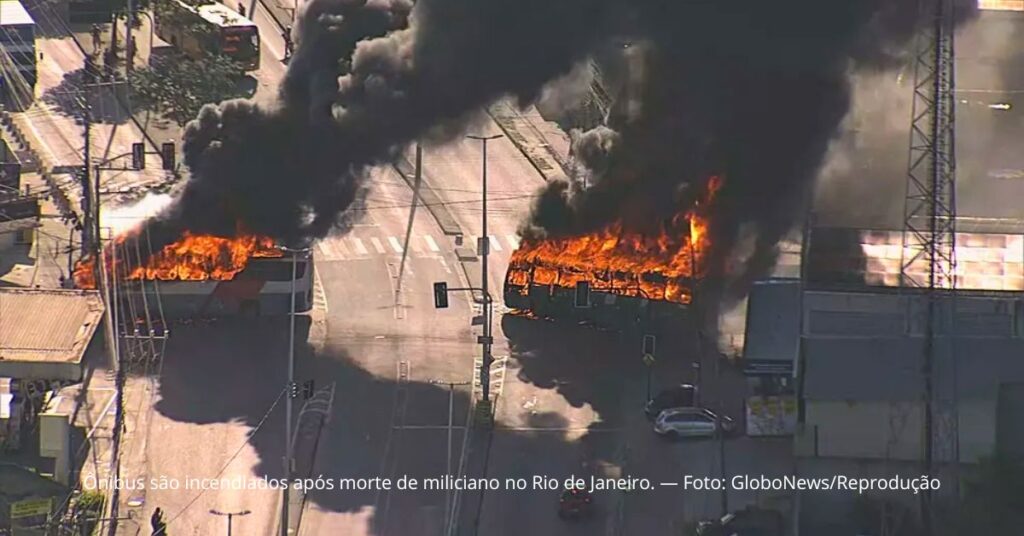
{"x": 178, "y": 86}
{"x": 88, "y": 509}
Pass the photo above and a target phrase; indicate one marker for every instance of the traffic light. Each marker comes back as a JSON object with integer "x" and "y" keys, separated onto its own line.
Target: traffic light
{"x": 293, "y": 390}
{"x": 441, "y": 295}
{"x": 307, "y": 389}
{"x": 649, "y": 344}
{"x": 167, "y": 156}
{"x": 138, "y": 156}
{"x": 583, "y": 294}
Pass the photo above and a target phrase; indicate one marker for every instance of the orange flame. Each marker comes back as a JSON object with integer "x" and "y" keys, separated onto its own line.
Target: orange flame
{"x": 623, "y": 262}
{"x": 192, "y": 258}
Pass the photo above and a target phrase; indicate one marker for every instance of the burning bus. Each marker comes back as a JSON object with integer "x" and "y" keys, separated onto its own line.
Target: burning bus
{"x": 615, "y": 274}
{"x": 208, "y": 276}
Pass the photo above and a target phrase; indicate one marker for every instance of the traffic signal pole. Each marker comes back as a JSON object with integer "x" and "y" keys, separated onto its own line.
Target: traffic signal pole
{"x": 484, "y": 245}
{"x": 290, "y": 393}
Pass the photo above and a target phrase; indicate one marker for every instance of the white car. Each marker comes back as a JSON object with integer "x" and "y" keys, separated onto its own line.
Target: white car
{"x": 690, "y": 422}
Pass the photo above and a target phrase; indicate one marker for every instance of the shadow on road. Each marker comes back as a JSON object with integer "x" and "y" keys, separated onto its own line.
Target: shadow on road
{"x": 383, "y": 427}
{"x": 71, "y": 97}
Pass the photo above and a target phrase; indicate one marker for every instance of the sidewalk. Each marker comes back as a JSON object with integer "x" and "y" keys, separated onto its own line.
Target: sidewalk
{"x": 540, "y": 141}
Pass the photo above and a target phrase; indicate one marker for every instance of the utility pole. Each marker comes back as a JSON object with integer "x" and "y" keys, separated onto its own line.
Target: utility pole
{"x": 290, "y": 394}
{"x": 88, "y": 247}
{"x": 483, "y": 248}
{"x": 230, "y": 515}
{"x": 448, "y": 520}
{"x": 129, "y": 41}
{"x": 412, "y": 217}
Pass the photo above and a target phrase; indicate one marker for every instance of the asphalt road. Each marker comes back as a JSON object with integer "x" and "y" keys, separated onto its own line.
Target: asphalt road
{"x": 390, "y": 421}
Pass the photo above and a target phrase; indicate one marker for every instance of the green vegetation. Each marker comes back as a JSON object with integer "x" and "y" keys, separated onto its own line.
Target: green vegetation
{"x": 88, "y": 510}
{"x": 178, "y": 87}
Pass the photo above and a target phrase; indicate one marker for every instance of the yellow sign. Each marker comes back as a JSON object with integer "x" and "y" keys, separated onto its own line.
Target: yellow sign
{"x": 31, "y": 507}
{"x": 648, "y": 359}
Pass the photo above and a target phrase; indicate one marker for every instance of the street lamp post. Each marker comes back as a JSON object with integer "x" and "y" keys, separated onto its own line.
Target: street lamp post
{"x": 288, "y": 395}
{"x": 484, "y": 246}
{"x": 230, "y": 515}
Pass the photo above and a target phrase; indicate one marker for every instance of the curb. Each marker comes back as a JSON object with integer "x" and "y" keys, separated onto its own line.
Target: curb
{"x": 428, "y": 197}
{"x": 533, "y": 152}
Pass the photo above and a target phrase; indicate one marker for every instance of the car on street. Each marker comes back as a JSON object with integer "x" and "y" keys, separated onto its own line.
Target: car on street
{"x": 678, "y": 396}
{"x": 691, "y": 422}
{"x": 575, "y": 504}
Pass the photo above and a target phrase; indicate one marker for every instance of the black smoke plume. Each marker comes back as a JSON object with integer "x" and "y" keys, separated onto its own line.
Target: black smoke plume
{"x": 368, "y": 77}
{"x": 747, "y": 89}
{"x": 750, "y": 91}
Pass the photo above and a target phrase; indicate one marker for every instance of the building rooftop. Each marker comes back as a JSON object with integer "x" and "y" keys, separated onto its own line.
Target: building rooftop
{"x": 222, "y": 15}
{"x": 985, "y": 261}
{"x": 13, "y": 13}
{"x": 1006, "y": 5}
{"x": 43, "y": 326}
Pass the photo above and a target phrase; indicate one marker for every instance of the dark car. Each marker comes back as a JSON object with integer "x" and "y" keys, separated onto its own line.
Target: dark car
{"x": 679, "y": 396}
{"x": 575, "y": 504}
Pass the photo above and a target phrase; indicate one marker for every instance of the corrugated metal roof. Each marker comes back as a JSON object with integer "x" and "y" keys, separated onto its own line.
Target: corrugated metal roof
{"x": 12, "y": 13}
{"x": 859, "y": 369}
{"x": 864, "y": 346}
{"x": 47, "y": 325}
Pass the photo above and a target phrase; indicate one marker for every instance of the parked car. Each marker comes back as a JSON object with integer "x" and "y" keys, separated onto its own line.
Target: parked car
{"x": 691, "y": 422}
{"x": 679, "y": 396}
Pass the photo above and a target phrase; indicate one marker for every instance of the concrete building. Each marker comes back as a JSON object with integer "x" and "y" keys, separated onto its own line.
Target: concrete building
{"x": 45, "y": 335}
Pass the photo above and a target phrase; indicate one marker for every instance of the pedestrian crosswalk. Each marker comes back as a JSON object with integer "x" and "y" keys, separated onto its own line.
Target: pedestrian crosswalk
{"x": 349, "y": 247}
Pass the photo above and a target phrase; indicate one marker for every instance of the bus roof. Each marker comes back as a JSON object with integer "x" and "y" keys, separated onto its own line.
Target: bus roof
{"x": 12, "y": 13}
{"x": 221, "y": 15}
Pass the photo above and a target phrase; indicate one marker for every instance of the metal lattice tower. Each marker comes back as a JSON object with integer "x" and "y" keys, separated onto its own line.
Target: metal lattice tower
{"x": 930, "y": 209}
{"x": 929, "y": 233}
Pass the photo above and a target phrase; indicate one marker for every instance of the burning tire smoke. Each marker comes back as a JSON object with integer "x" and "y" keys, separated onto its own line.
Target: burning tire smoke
{"x": 749, "y": 90}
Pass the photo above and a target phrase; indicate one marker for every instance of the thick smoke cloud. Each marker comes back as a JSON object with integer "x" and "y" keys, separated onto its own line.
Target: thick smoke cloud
{"x": 368, "y": 77}
{"x": 751, "y": 91}
{"x": 748, "y": 89}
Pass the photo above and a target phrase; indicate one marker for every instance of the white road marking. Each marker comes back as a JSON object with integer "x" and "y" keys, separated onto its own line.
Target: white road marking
{"x": 330, "y": 251}
{"x": 376, "y": 244}
{"x": 431, "y": 244}
{"x": 360, "y": 248}
{"x": 340, "y": 243}
{"x": 513, "y": 240}
{"x": 495, "y": 245}
{"x": 394, "y": 244}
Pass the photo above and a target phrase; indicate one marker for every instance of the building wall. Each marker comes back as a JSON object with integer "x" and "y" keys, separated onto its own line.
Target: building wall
{"x": 881, "y": 430}
{"x": 855, "y": 429}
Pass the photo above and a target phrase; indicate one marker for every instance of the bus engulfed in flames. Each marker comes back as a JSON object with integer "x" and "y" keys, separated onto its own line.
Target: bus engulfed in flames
{"x": 657, "y": 266}
{"x": 193, "y": 257}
